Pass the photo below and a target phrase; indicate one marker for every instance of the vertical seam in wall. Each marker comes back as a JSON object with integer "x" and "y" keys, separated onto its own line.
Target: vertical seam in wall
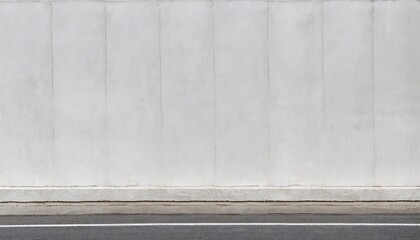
{"x": 323, "y": 66}
{"x": 160, "y": 88}
{"x": 52, "y": 86}
{"x": 373, "y": 94}
{"x": 324, "y": 112}
{"x": 269, "y": 95}
{"x": 106, "y": 93}
{"x": 214, "y": 97}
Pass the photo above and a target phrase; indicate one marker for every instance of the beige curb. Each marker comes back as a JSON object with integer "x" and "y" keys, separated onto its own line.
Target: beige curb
{"x": 62, "y": 208}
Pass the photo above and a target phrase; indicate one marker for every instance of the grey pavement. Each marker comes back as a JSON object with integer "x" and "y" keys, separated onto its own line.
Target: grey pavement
{"x": 363, "y": 230}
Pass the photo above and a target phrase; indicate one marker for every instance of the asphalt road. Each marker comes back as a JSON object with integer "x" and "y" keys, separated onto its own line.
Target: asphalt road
{"x": 232, "y": 227}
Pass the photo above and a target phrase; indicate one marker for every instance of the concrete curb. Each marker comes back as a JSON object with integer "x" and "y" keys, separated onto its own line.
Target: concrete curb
{"x": 209, "y": 208}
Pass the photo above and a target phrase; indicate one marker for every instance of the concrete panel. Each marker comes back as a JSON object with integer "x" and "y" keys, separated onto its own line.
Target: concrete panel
{"x": 226, "y": 100}
{"x": 25, "y": 94}
{"x": 187, "y": 92}
{"x": 133, "y": 77}
{"x": 242, "y": 102}
{"x": 296, "y": 93}
{"x": 348, "y": 81}
{"x": 79, "y": 93}
{"x": 397, "y": 92}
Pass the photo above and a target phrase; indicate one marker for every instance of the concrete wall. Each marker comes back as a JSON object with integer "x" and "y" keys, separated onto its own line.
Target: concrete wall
{"x": 209, "y": 100}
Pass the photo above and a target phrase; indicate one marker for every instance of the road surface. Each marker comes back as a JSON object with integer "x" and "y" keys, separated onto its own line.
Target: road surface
{"x": 203, "y": 227}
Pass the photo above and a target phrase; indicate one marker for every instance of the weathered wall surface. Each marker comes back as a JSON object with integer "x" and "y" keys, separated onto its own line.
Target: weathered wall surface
{"x": 209, "y": 100}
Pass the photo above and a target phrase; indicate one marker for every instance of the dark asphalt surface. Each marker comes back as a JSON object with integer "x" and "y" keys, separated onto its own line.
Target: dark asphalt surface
{"x": 300, "y": 232}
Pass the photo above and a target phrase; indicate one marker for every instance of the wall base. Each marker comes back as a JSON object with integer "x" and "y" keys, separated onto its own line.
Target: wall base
{"x": 86, "y": 194}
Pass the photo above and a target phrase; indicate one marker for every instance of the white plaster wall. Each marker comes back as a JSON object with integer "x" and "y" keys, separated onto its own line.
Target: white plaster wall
{"x": 79, "y": 93}
{"x": 26, "y": 105}
{"x": 240, "y": 95}
{"x": 187, "y": 88}
{"x": 133, "y": 93}
{"x": 397, "y": 92}
{"x": 347, "y": 144}
{"x": 241, "y": 92}
{"x": 296, "y": 93}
